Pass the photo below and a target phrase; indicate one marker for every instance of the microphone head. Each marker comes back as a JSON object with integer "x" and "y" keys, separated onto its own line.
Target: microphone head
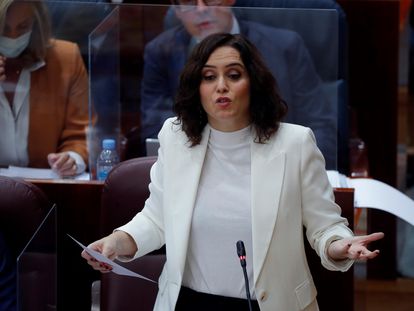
{"x": 240, "y": 249}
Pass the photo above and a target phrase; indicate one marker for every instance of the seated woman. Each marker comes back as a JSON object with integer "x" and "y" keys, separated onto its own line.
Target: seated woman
{"x": 43, "y": 93}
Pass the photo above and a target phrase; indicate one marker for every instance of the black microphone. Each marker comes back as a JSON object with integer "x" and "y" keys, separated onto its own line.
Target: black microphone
{"x": 241, "y": 252}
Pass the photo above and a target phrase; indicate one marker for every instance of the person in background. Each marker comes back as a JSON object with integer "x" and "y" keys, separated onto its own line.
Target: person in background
{"x": 8, "y": 278}
{"x": 283, "y": 50}
{"x": 43, "y": 93}
{"x": 248, "y": 177}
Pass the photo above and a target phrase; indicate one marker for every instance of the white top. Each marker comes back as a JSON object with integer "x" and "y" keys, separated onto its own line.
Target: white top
{"x": 14, "y": 123}
{"x": 221, "y": 217}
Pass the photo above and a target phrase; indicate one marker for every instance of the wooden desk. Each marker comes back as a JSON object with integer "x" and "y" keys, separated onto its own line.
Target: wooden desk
{"x": 78, "y": 210}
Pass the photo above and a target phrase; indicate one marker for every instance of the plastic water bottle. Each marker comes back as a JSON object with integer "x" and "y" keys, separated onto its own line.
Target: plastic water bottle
{"x": 107, "y": 159}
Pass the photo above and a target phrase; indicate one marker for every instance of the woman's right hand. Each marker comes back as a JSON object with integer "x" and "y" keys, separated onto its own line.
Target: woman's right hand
{"x": 2, "y": 68}
{"x": 116, "y": 244}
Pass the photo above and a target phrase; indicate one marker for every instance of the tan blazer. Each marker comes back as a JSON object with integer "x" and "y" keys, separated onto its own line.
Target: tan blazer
{"x": 58, "y": 104}
{"x": 290, "y": 189}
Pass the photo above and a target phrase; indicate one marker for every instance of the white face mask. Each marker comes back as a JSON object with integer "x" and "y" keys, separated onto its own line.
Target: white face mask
{"x": 14, "y": 47}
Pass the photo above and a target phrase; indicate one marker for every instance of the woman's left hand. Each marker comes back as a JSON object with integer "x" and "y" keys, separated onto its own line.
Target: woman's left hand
{"x": 62, "y": 163}
{"x": 354, "y": 248}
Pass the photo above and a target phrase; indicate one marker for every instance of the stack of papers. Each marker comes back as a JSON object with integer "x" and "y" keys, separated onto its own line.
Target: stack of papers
{"x": 36, "y": 173}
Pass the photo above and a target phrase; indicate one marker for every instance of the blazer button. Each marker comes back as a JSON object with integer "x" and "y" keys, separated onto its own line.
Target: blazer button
{"x": 263, "y": 296}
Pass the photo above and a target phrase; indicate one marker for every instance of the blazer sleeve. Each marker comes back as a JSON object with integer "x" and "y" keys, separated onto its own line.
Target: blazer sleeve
{"x": 147, "y": 227}
{"x": 321, "y": 215}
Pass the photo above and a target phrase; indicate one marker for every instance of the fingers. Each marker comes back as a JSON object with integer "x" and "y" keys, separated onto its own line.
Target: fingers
{"x": 339, "y": 249}
{"x": 95, "y": 264}
{"x": 364, "y": 255}
{"x": 353, "y": 253}
{"x": 365, "y": 239}
{"x": 62, "y": 163}
{"x": 375, "y": 236}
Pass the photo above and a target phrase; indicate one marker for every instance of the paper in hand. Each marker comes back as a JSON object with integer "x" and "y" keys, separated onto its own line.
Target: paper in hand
{"x": 116, "y": 268}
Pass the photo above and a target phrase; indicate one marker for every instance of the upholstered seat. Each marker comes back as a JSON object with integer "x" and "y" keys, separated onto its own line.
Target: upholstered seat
{"x": 23, "y": 208}
{"x": 124, "y": 194}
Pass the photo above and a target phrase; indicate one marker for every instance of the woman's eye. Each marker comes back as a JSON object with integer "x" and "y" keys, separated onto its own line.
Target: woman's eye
{"x": 208, "y": 77}
{"x": 25, "y": 27}
{"x": 234, "y": 76}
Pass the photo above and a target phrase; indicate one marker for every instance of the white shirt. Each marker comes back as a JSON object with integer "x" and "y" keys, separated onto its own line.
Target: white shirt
{"x": 221, "y": 217}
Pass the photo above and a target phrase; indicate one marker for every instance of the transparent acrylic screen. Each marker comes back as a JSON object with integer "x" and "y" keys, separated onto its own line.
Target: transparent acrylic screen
{"x": 133, "y": 55}
{"x": 37, "y": 268}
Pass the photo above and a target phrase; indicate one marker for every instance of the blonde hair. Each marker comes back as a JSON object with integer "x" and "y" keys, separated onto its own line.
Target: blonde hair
{"x": 41, "y": 31}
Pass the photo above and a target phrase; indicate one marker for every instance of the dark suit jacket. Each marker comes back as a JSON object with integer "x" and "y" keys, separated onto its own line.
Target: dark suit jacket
{"x": 286, "y": 56}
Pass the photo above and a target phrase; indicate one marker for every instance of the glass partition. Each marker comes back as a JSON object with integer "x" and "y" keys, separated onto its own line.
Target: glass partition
{"x": 300, "y": 47}
{"x": 132, "y": 57}
{"x": 37, "y": 268}
{"x": 104, "y": 87}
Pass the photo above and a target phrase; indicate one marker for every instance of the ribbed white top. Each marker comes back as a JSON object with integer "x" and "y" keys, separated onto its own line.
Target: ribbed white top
{"x": 221, "y": 217}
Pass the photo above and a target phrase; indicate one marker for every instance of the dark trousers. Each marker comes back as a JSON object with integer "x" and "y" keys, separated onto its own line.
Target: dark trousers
{"x": 190, "y": 300}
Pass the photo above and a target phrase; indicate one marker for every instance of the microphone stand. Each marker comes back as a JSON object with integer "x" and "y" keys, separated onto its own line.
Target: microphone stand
{"x": 241, "y": 252}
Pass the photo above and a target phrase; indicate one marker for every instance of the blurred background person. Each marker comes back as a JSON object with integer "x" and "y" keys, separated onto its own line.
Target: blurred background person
{"x": 43, "y": 93}
{"x": 283, "y": 50}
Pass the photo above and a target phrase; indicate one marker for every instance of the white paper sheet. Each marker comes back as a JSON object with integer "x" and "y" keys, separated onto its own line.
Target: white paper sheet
{"x": 372, "y": 193}
{"x": 116, "y": 268}
{"x": 37, "y": 173}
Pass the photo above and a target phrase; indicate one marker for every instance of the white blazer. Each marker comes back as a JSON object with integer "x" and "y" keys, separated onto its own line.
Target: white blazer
{"x": 290, "y": 189}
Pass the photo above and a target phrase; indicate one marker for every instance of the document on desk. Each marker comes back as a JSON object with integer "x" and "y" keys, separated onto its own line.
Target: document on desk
{"x": 36, "y": 173}
{"x": 372, "y": 193}
{"x": 116, "y": 268}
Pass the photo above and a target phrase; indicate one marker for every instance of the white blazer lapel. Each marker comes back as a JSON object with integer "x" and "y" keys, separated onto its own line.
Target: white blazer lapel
{"x": 268, "y": 169}
{"x": 183, "y": 198}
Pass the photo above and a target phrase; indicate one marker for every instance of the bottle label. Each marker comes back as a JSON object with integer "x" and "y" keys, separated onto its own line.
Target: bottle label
{"x": 103, "y": 172}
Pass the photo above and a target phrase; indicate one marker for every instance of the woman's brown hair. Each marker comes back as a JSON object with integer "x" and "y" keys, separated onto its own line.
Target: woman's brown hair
{"x": 41, "y": 31}
{"x": 267, "y": 108}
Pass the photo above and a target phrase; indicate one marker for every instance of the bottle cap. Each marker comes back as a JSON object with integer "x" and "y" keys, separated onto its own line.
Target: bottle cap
{"x": 108, "y": 143}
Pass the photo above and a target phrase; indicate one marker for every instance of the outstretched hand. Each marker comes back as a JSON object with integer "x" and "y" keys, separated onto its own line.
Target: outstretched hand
{"x": 354, "y": 248}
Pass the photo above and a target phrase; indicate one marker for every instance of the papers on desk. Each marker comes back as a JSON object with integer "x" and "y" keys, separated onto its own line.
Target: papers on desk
{"x": 116, "y": 268}
{"x": 371, "y": 193}
{"x": 36, "y": 173}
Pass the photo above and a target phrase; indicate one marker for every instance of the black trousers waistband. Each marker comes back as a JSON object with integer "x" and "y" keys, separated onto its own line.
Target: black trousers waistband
{"x": 189, "y": 299}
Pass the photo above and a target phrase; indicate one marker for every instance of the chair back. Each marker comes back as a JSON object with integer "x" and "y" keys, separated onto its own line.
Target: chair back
{"x": 124, "y": 194}
{"x": 131, "y": 294}
{"x": 23, "y": 207}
